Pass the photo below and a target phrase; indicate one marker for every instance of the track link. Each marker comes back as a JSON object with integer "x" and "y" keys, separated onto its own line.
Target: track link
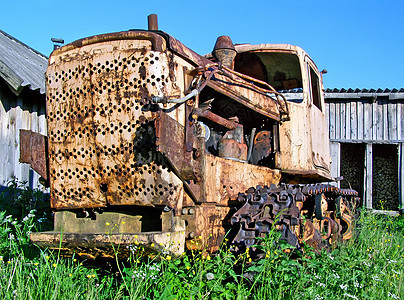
{"x": 319, "y": 215}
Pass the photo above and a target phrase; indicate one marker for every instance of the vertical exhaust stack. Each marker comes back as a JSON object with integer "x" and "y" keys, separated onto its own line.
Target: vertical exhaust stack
{"x": 152, "y": 22}
{"x": 224, "y": 51}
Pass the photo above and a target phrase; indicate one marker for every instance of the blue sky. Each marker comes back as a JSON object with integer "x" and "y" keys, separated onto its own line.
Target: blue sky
{"x": 360, "y": 43}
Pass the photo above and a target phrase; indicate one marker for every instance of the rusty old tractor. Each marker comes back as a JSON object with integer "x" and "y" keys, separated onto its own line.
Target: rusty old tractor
{"x": 150, "y": 143}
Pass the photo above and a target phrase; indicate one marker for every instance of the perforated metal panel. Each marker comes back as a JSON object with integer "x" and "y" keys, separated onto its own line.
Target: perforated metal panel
{"x": 101, "y": 134}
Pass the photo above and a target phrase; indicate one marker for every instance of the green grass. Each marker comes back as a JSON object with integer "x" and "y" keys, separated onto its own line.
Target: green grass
{"x": 370, "y": 266}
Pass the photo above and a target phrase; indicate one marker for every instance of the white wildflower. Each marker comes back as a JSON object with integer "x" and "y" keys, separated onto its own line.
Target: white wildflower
{"x": 321, "y": 284}
{"x": 25, "y": 219}
{"x": 317, "y": 297}
{"x": 351, "y": 296}
{"x": 343, "y": 286}
{"x": 209, "y": 276}
{"x": 336, "y": 275}
{"x": 154, "y": 268}
{"x": 392, "y": 295}
{"x": 330, "y": 257}
{"x": 358, "y": 285}
{"x": 395, "y": 272}
{"x": 366, "y": 264}
{"x": 390, "y": 261}
{"x": 139, "y": 274}
{"x": 132, "y": 248}
{"x": 376, "y": 278}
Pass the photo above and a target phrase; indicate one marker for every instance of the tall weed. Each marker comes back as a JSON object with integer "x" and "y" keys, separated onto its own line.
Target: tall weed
{"x": 18, "y": 200}
{"x": 369, "y": 266}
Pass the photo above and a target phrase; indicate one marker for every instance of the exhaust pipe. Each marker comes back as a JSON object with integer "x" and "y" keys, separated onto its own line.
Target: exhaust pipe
{"x": 224, "y": 51}
{"x": 152, "y": 22}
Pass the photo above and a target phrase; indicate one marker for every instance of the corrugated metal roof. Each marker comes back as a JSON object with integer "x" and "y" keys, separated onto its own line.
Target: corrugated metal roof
{"x": 351, "y": 94}
{"x": 21, "y": 65}
{"x": 379, "y": 91}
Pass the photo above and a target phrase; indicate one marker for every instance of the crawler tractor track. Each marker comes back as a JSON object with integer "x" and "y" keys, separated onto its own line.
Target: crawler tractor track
{"x": 318, "y": 215}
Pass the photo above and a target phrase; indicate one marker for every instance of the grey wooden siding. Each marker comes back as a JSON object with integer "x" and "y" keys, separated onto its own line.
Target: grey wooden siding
{"x": 365, "y": 120}
{"x": 369, "y": 118}
{"x": 16, "y": 115}
{"x": 22, "y": 104}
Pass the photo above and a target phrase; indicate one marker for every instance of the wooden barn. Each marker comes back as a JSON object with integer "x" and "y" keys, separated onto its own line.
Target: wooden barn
{"x": 22, "y": 105}
{"x": 367, "y": 144}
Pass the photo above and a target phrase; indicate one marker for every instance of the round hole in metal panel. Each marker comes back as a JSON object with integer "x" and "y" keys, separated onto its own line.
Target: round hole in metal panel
{"x": 104, "y": 187}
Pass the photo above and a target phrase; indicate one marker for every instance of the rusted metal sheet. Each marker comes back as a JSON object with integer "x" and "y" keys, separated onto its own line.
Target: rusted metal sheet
{"x": 33, "y": 151}
{"x": 171, "y": 141}
{"x": 252, "y": 99}
{"x": 225, "y": 178}
{"x": 206, "y": 230}
{"x": 186, "y": 53}
{"x": 157, "y": 41}
{"x": 101, "y": 138}
{"x": 303, "y": 152}
{"x": 231, "y": 149}
{"x": 170, "y": 137}
{"x": 294, "y": 139}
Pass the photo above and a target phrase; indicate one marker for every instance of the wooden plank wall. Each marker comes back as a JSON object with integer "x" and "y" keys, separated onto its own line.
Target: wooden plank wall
{"x": 335, "y": 150}
{"x": 401, "y": 174}
{"x": 18, "y": 113}
{"x": 371, "y": 121}
{"x": 368, "y": 178}
{"x": 365, "y": 120}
